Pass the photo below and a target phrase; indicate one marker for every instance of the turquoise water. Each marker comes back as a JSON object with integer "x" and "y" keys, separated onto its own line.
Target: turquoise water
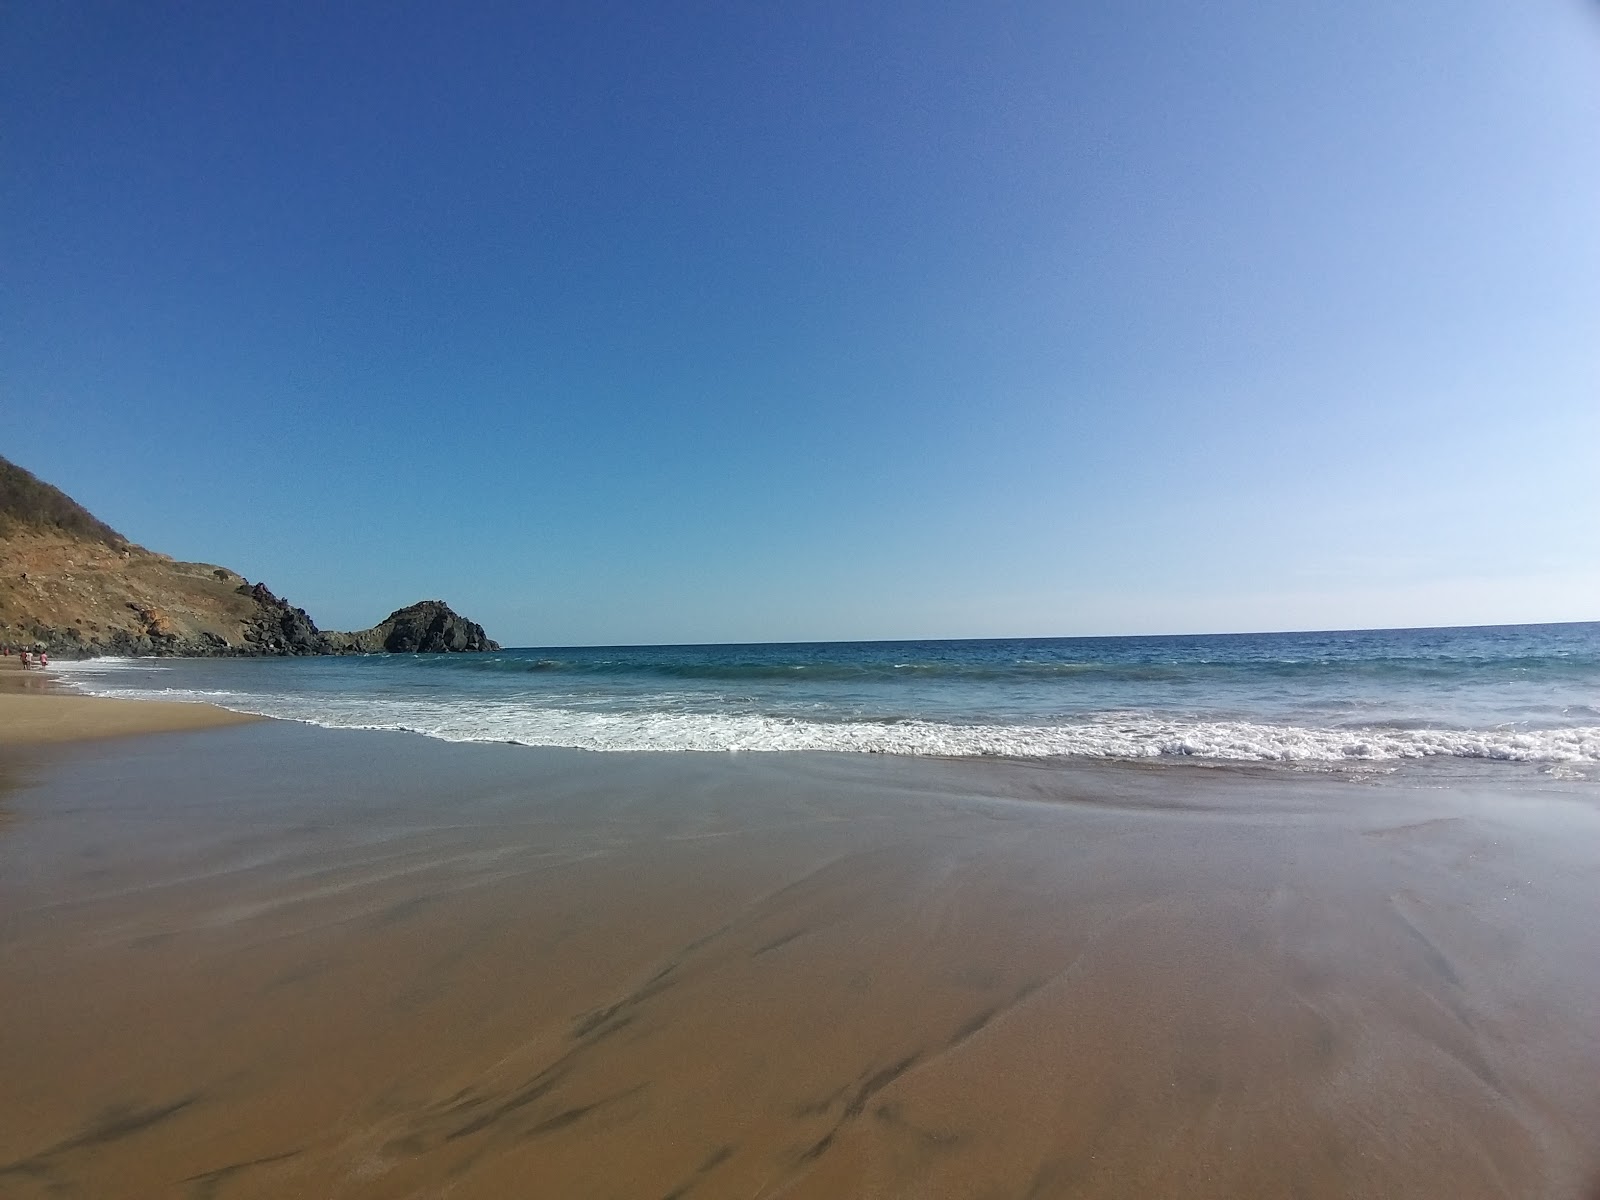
{"x": 1523, "y": 693}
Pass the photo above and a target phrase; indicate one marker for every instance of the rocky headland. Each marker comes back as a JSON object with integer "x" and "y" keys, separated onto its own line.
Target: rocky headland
{"x": 75, "y": 587}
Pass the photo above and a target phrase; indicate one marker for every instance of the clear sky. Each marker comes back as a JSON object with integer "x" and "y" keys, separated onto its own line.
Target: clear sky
{"x": 617, "y": 322}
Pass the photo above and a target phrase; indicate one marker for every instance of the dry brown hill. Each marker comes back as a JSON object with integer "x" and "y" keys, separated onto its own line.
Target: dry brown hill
{"x": 72, "y": 585}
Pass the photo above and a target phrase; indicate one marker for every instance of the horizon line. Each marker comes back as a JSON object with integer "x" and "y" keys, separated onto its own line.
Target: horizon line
{"x": 1069, "y": 637}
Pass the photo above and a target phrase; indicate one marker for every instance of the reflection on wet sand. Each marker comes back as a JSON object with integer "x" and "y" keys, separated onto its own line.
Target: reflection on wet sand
{"x": 268, "y": 962}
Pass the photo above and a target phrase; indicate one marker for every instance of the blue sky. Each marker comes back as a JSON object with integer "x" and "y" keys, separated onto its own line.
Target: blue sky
{"x": 627, "y": 323}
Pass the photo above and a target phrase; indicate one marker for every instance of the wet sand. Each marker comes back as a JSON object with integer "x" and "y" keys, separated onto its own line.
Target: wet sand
{"x": 276, "y": 961}
{"x": 34, "y": 709}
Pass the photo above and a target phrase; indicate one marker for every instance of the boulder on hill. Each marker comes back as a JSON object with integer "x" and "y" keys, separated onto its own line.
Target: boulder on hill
{"x": 426, "y": 627}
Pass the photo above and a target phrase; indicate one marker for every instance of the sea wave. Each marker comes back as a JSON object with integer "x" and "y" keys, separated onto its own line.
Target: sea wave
{"x": 1396, "y": 671}
{"x": 1128, "y": 736}
{"x": 107, "y": 665}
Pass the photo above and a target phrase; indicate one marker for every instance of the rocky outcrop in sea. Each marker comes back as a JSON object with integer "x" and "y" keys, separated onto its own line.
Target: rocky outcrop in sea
{"x": 426, "y": 627}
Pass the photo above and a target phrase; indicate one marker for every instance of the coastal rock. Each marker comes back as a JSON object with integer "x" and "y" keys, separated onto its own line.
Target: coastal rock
{"x": 280, "y": 628}
{"x": 426, "y": 627}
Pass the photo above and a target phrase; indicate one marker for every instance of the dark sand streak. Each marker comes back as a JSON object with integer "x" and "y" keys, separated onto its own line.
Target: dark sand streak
{"x": 594, "y": 1027}
{"x": 112, "y": 1126}
{"x": 208, "y": 1183}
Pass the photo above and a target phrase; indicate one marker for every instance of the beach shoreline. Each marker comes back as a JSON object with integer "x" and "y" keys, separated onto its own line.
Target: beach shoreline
{"x": 36, "y": 710}
{"x": 1518, "y": 694}
{"x": 274, "y": 959}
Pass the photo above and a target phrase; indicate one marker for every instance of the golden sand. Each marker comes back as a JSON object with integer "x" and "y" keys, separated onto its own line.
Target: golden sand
{"x": 387, "y": 968}
{"x": 33, "y": 710}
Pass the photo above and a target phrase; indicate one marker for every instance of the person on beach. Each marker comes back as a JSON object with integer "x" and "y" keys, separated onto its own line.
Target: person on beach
{"x": 27, "y": 661}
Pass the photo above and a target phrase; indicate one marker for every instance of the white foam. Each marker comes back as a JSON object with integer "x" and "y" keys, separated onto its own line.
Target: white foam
{"x": 90, "y": 667}
{"x": 1107, "y": 736}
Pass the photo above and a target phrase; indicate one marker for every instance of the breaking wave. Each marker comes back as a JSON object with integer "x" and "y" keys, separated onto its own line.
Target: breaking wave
{"x": 1127, "y": 736}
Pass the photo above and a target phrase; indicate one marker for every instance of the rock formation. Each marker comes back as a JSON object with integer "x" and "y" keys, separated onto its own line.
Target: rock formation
{"x": 426, "y": 627}
{"x": 72, "y": 585}
{"x": 279, "y": 628}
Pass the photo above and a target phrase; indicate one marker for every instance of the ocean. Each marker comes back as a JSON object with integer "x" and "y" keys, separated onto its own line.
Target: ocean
{"x": 1526, "y": 693}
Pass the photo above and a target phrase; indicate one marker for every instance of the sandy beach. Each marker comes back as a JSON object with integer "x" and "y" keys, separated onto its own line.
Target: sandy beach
{"x": 34, "y": 711}
{"x": 271, "y": 960}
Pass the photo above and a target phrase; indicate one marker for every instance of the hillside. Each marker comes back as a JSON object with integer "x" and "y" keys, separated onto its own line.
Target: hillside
{"x": 28, "y": 504}
{"x": 72, "y": 585}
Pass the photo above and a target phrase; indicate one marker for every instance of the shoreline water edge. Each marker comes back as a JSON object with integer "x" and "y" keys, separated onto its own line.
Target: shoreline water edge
{"x": 1373, "y": 698}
